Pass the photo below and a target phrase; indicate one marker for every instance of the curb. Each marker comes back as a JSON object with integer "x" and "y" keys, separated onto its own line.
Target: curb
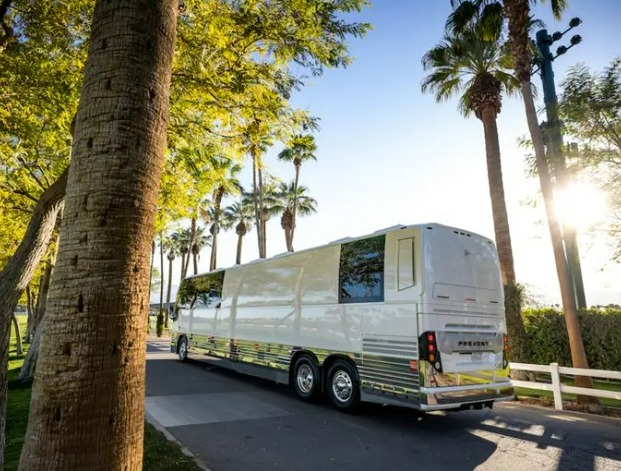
{"x": 171, "y": 438}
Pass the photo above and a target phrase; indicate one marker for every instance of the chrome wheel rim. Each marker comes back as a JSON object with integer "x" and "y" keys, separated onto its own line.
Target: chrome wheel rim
{"x": 305, "y": 379}
{"x": 342, "y": 386}
{"x": 183, "y": 349}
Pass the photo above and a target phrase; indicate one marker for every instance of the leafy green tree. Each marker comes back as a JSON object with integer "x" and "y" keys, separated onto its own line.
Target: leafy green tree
{"x": 301, "y": 148}
{"x": 590, "y": 109}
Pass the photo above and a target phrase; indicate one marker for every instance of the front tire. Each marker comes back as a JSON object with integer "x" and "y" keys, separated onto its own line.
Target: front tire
{"x": 182, "y": 349}
{"x": 343, "y": 389}
{"x": 306, "y": 379}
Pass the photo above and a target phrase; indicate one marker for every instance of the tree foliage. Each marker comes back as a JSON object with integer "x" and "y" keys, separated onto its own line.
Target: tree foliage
{"x": 590, "y": 109}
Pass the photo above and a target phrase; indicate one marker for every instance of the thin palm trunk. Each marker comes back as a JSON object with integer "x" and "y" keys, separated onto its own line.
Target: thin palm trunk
{"x": 519, "y": 346}
{"x": 18, "y": 336}
{"x": 87, "y": 407}
{"x": 161, "y": 274}
{"x": 497, "y": 195}
{"x": 169, "y": 287}
{"x": 295, "y": 208}
{"x": 216, "y": 229}
{"x": 239, "y": 249}
{"x": 256, "y": 197}
{"x": 578, "y": 354}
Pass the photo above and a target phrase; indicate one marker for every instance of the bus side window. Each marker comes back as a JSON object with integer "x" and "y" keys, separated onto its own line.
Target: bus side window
{"x": 361, "y": 271}
{"x": 405, "y": 269}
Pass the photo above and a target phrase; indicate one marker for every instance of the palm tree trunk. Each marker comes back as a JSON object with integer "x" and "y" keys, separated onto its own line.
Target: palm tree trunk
{"x": 295, "y": 208}
{"x": 239, "y": 249}
{"x": 161, "y": 272}
{"x": 19, "y": 271}
{"x": 168, "y": 289}
{"x": 30, "y": 318}
{"x": 87, "y": 407}
{"x": 18, "y": 336}
{"x": 216, "y": 229}
{"x": 518, "y": 340}
{"x": 578, "y": 354}
{"x": 255, "y": 197}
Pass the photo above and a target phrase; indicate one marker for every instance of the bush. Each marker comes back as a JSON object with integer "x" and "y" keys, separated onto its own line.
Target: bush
{"x": 601, "y": 334}
{"x": 159, "y": 325}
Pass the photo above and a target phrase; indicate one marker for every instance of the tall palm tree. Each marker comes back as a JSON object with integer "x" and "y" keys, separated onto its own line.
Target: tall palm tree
{"x": 227, "y": 184}
{"x": 238, "y": 215}
{"x": 201, "y": 240}
{"x": 300, "y": 149}
{"x": 96, "y": 299}
{"x": 289, "y": 200}
{"x": 171, "y": 253}
{"x": 478, "y": 70}
{"x": 182, "y": 240}
{"x": 517, "y": 13}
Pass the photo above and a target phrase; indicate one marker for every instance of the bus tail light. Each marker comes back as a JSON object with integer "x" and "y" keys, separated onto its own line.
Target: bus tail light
{"x": 429, "y": 350}
{"x": 505, "y": 350}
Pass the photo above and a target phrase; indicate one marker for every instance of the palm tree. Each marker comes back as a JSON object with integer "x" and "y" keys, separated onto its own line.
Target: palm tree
{"x": 228, "y": 184}
{"x": 238, "y": 215}
{"x": 517, "y": 12}
{"x": 300, "y": 149}
{"x": 291, "y": 199}
{"x": 172, "y": 250}
{"x": 181, "y": 240}
{"x": 479, "y": 70}
{"x": 96, "y": 299}
{"x": 201, "y": 240}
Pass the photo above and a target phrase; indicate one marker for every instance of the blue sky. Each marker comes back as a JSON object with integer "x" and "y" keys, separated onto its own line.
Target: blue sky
{"x": 387, "y": 154}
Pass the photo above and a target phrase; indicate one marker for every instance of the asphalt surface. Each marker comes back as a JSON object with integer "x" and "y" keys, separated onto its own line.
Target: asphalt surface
{"x": 232, "y": 422}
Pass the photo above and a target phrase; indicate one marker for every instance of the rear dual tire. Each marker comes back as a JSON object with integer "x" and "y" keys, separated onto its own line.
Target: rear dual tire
{"x": 342, "y": 386}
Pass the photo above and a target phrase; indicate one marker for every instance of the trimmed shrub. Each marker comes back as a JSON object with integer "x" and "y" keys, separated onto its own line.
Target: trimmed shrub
{"x": 601, "y": 334}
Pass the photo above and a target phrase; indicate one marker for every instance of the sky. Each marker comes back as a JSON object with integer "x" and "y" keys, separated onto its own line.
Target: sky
{"x": 389, "y": 154}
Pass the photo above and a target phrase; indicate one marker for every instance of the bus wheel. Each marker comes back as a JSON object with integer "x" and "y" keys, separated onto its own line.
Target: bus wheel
{"x": 182, "y": 349}
{"x": 306, "y": 379}
{"x": 343, "y": 389}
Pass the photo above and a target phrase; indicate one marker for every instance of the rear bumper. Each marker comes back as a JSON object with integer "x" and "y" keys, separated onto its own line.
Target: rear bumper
{"x": 465, "y": 396}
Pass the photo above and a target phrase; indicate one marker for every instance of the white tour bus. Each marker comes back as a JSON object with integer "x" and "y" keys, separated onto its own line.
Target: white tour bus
{"x": 409, "y": 315}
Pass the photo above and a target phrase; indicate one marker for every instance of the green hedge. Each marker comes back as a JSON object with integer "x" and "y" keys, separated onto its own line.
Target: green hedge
{"x": 601, "y": 333}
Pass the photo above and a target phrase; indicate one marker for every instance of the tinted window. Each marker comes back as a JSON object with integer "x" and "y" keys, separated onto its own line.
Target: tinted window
{"x": 361, "y": 273}
{"x": 201, "y": 291}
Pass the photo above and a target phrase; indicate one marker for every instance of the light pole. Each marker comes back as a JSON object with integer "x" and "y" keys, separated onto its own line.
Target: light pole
{"x": 555, "y": 144}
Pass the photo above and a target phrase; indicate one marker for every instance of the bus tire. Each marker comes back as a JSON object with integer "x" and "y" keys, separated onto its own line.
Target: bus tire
{"x": 342, "y": 386}
{"x": 306, "y": 379}
{"x": 182, "y": 348}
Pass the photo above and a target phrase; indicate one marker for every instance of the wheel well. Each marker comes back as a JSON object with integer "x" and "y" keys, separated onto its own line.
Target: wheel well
{"x": 332, "y": 359}
{"x": 294, "y": 359}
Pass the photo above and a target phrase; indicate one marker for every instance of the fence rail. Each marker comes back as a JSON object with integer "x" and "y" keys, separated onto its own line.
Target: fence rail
{"x": 558, "y": 388}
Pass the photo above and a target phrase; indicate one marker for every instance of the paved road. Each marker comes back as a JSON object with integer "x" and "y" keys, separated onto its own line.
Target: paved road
{"x": 236, "y": 423}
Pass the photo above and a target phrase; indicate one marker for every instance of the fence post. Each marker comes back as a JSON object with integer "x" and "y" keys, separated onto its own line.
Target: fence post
{"x": 556, "y": 386}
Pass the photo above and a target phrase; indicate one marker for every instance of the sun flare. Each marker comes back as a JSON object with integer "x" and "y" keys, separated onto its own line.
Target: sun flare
{"x": 581, "y": 205}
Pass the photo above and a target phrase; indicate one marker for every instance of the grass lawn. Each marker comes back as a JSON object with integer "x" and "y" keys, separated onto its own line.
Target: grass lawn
{"x": 159, "y": 453}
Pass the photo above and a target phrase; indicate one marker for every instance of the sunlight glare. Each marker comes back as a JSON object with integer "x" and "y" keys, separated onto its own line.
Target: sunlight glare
{"x": 581, "y": 205}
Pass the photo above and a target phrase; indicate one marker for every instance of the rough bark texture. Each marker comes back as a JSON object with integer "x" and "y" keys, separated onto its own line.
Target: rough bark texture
{"x": 87, "y": 407}
{"x": 19, "y": 349}
{"x": 18, "y": 273}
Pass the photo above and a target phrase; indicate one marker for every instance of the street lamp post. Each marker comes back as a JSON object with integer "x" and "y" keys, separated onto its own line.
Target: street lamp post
{"x": 555, "y": 145}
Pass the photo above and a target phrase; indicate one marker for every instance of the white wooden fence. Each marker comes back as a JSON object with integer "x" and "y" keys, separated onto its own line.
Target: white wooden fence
{"x": 557, "y": 387}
